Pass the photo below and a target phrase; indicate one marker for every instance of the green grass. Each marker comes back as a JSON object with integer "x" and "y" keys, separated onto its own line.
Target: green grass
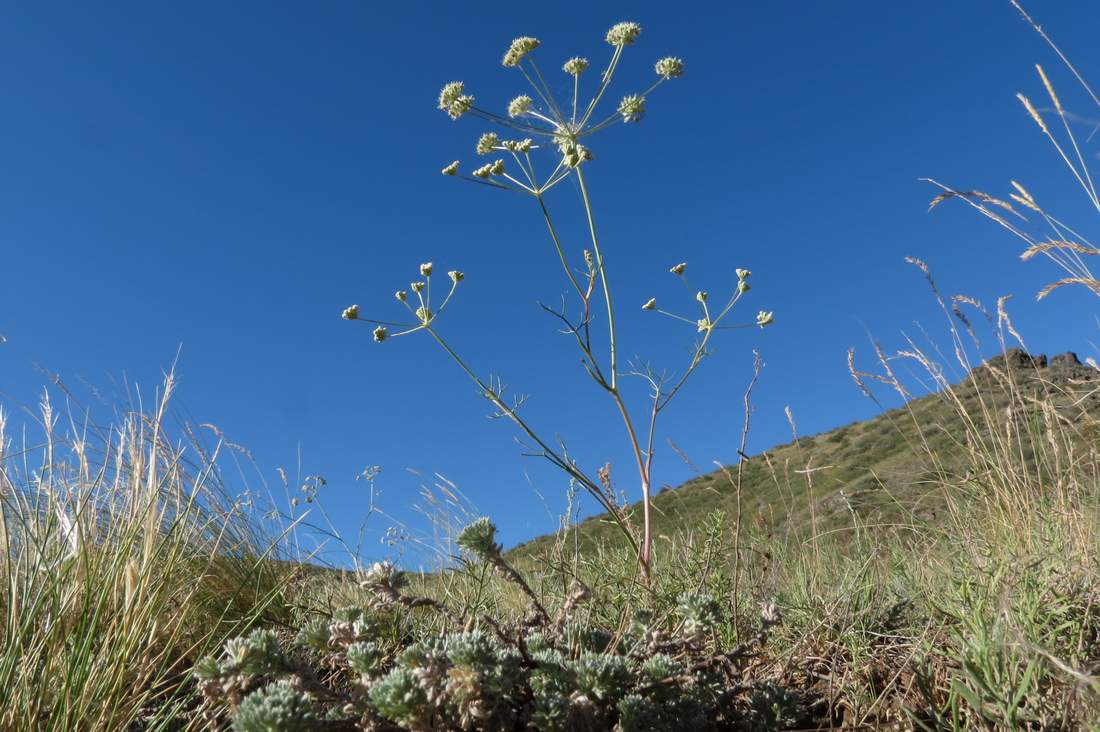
{"x": 940, "y": 571}
{"x": 123, "y": 560}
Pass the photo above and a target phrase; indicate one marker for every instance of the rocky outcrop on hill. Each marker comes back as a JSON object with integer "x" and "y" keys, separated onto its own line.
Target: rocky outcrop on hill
{"x": 1065, "y": 368}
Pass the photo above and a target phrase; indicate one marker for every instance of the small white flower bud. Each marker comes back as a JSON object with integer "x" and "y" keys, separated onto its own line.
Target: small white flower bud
{"x": 456, "y": 276}
{"x": 487, "y": 143}
{"x": 701, "y": 296}
{"x": 670, "y": 67}
{"x": 650, "y": 304}
{"x": 744, "y": 274}
{"x": 576, "y": 154}
{"x": 704, "y": 324}
{"x": 351, "y": 312}
{"x": 632, "y": 108}
{"x": 520, "y": 105}
{"x": 451, "y": 169}
{"x": 416, "y": 286}
{"x": 424, "y": 315}
{"x": 575, "y": 66}
{"x": 743, "y": 286}
{"x": 519, "y": 48}
{"x": 678, "y": 269}
{"x": 454, "y": 101}
{"x": 484, "y": 171}
{"x": 426, "y": 269}
{"x": 522, "y": 146}
{"x": 380, "y": 334}
{"x": 764, "y": 318}
{"x": 623, "y": 34}
{"x": 497, "y": 167}
{"x": 401, "y": 295}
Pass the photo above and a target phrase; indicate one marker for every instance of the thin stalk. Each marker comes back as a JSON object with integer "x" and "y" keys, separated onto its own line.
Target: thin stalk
{"x": 603, "y": 277}
{"x": 548, "y": 452}
{"x": 547, "y": 99}
{"x": 549, "y": 94}
{"x": 644, "y": 554}
{"x": 607, "y": 74}
{"x": 557, "y": 245}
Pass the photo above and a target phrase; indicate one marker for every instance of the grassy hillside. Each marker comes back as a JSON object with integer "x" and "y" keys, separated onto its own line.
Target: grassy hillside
{"x": 885, "y": 474}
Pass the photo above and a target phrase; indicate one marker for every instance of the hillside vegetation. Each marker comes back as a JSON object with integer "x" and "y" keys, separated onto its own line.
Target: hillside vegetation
{"x": 894, "y": 472}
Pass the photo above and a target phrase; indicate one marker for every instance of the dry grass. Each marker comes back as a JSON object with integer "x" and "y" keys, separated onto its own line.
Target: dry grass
{"x": 123, "y": 557}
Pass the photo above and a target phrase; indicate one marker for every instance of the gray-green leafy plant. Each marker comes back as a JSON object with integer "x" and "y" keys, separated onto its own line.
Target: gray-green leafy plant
{"x": 561, "y": 132}
{"x": 540, "y": 673}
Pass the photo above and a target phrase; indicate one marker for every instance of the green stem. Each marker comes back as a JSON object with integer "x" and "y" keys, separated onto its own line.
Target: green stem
{"x": 603, "y": 277}
{"x": 603, "y": 85}
{"x": 548, "y": 452}
{"x": 643, "y": 471}
{"x": 557, "y": 245}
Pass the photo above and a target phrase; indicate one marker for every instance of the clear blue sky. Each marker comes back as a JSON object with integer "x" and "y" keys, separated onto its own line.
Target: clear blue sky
{"x": 226, "y": 177}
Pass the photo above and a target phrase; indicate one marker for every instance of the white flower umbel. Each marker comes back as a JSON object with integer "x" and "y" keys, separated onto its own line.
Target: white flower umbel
{"x": 520, "y": 106}
{"x": 454, "y": 100}
{"x": 487, "y": 143}
{"x": 575, "y": 66}
{"x": 519, "y": 49}
{"x": 564, "y": 124}
{"x": 623, "y": 34}
{"x": 670, "y": 67}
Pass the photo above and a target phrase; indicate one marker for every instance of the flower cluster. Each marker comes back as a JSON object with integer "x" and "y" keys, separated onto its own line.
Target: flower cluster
{"x": 632, "y": 108}
{"x": 519, "y": 49}
{"x": 421, "y": 310}
{"x": 623, "y": 34}
{"x": 670, "y": 67}
{"x": 454, "y": 100}
{"x": 550, "y": 119}
{"x": 575, "y": 66}
{"x": 711, "y": 321}
{"x": 478, "y": 539}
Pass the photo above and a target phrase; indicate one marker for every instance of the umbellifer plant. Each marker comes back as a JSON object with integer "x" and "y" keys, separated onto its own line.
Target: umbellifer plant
{"x": 544, "y": 129}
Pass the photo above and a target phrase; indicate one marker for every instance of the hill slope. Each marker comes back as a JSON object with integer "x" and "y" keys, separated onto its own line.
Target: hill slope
{"x": 877, "y": 474}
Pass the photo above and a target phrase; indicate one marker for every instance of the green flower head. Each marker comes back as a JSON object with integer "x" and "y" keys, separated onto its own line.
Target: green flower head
{"x": 478, "y": 538}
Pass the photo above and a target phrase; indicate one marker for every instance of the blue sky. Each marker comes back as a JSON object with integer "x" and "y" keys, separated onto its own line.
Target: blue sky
{"x": 222, "y": 179}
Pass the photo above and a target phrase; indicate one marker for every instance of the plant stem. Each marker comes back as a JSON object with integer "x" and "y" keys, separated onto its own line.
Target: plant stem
{"x": 603, "y": 277}
{"x": 612, "y": 387}
{"x": 557, "y": 245}
{"x": 550, "y": 454}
